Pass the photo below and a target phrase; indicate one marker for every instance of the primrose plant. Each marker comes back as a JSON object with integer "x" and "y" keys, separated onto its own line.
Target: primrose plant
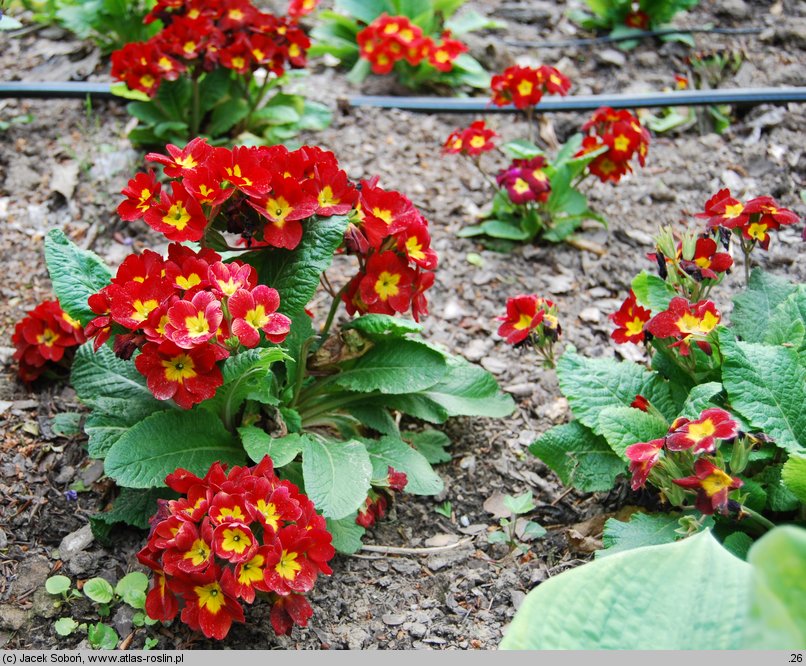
{"x": 714, "y": 422}
{"x": 209, "y": 354}
{"x": 415, "y": 41}
{"x": 216, "y": 70}
{"x": 537, "y": 196}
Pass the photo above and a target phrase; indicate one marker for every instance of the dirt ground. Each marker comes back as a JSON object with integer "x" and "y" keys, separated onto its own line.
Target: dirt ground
{"x": 63, "y": 164}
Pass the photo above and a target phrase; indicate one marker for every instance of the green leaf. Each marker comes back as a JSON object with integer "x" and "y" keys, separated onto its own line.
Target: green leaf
{"x": 394, "y": 366}
{"x": 102, "y": 374}
{"x": 66, "y": 424}
{"x": 779, "y": 497}
{"x": 337, "y": 475}
{"x": 161, "y": 443}
{"x": 738, "y": 544}
{"x": 98, "y": 590}
{"x": 700, "y": 398}
{"x": 652, "y": 292}
{"x": 346, "y": 534}
{"x": 133, "y": 506}
{"x": 470, "y": 21}
{"x": 76, "y": 275}
{"x": 521, "y": 504}
{"x": 132, "y": 587}
{"x": 295, "y": 273}
{"x": 779, "y": 559}
{"x": 766, "y": 385}
{"x": 788, "y": 323}
{"x": 111, "y": 418}
{"x": 688, "y": 595}
{"x": 506, "y": 229}
{"x": 393, "y": 452}
{"x": 625, "y": 426}
{"x": 102, "y": 636}
{"x": 593, "y": 384}
{"x": 376, "y": 418}
{"x": 65, "y": 626}
{"x": 214, "y": 88}
{"x": 377, "y": 324}
{"x": 793, "y": 475}
{"x": 315, "y": 117}
{"x": 643, "y": 529}
{"x": 522, "y": 149}
{"x": 365, "y": 11}
{"x": 431, "y": 444}
{"x": 226, "y": 115}
{"x": 57, "y": 585}
{"x": 282, "y": 450}
{"x": 174, "y": 96}
{"x": 122, "y": 90}
{"x": 579, "y": 457}
{"x": 753, "y": 309}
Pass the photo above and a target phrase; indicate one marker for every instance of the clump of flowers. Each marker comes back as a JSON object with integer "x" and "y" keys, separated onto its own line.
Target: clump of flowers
{"x": 44, "y": 339}
{"x": 389, "y": 40}
{"x": 232, "y": 537}
{"x": 532, "y": 318}
{"x": 750, "y": 222}
{"x": 692, "y": 445}
{"x": 209, "y": 54}
{"x": 615, "y": 137}
{"x": 537, "y": 195}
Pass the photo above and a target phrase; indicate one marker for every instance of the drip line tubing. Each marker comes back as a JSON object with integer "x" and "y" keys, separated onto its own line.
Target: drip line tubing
{"x": 737, "y": 96}
{"x": 642, "y": 34}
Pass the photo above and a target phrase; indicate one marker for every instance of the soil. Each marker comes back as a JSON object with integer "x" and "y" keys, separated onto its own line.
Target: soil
{"x": 63, "y": 165}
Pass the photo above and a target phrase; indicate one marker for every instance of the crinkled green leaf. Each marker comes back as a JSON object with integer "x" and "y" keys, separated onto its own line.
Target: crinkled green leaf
{"x": 346, "y": 533}
{"x": 282, "y": 450}
{"x": 625, "y": 426}
{"x": 754, "y": 308}
{"x": 377, "y": 324}
{"x": 159, "y": 444}
{"x": 642, "y": 529}
{"x": 701, "y": 397}
{"x": 76, "y": 274}
{"x": 579, "y": 457}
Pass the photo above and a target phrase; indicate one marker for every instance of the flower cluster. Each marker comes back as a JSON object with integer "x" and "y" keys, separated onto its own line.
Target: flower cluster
{"x": 531, "y": 317}
{"x": 525, "y": 180}
{"x": 44, "y": 336}
{"x": 471, "y": 141}
{"x": 299, "y": 8}
{"x": 234, "y": 535}
{"x": 232, "y": 34}
{"x": 525, "y": 86}
{"x": 268, "y": 195}
{"x": 393, "y": 244}
{"x": 186, "y": 313}
{"x": 390, "y": 39}
{"x": 619, "y": 136}
{"x": 752, "y": 221}
{"x": 379, "y": 497}
{"x": 686, "y": 441}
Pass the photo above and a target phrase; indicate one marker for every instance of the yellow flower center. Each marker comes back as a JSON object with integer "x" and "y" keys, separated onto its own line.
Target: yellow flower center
{"x": 143, "y": 308}
{"x": 757, "y": 231}
{"x": 635, "y": 326}
{"x": 692, "y": 325}
{"x": 177, "y": 216}
{"x": 326, "y": 197}
{"x": 621, "y": 143}
{"x": 715, "y": 482}
{"x": 197, "y": 326}
{"x": 269, "y": 513}
{"x": 699, "y": 431}
{"x": 525, "y": 88}
{"x": 383, "y": 214}
{"x": 235, "y": 540}
{"x": 199, "y": 553}
{"x": 236, "y": 513}
{"x": 733, "y": 210}
{"x": 210, "y": 596}
{"x": 48, "y": 337}
{"x": 288, "y": 567}
{"x": 251, "y": 571}
{"x": 521, "y": 186}
{"x": 238, "y": 62}
{"x": 477, "y": 141}
{"x": 188, "y": 281}
{"x": 524, "y": 322}
{"x": 257, "y": 318}
{"x": 386, "y": 285}
{"x": 414, "y": 248}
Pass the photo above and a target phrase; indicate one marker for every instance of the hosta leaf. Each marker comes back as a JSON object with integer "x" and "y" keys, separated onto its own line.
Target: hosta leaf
{"x": 394, "y": 366}
{"x": 766, "y": 385}
{"x": 295, "y": 273}
{"x": 593, "y": 384}
{"x": 394, "y": 452}
{"x": 164, "y": 441}
{"x": 642, "y": 529}
{"x": 665, "y": 596}
{"x": 346, "y": 533}
{"x": 76, "y": 274}
{"x": 625, "y": 426}
{"x": 282, "y": 450}
{"x": 337, "y": 475}
{"x": 579, "y": 457}
{"x": 754, "y": 308}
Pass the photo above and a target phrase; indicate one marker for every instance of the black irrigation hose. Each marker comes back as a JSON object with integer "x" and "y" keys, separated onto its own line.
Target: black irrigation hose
{"x": 738, "y": 96}
{"x": 644, "y": 34}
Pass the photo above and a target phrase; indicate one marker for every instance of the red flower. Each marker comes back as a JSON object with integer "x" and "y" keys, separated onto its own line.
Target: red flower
{"x": 183, "y": 161}
{"x": 142, "y": 193}
{"x": 381, "y": 211}
{"x": 178, "y": 216}
{"x": 700, "y": 436}
{"x": 423, "y": 281}
{"x": 287, "y": 204}
{"x": 414, "y": 241}
{"x": 44, "y": 335}
{"x": 291, "y": 570}
{"x": 396, "y": 480}
{"x": 525, "y": 313}
{"x": 254, "y": 311}
{"x": 205, "y": 186}
{"x": 712, "y": 486}
{"x": 241, "y": 167}
{"x": 234, "y": 542}
{"x": 441, "y": 55}
{"x": 638, "y": 20}
{"x": 226, "y": 279}
{"x": 722, "y": 210}
{"x": 161, "y": 603}
{"x": 193, "y": 322}
{"x": 387, "y": 285}
{"x": 131, "y": 304}
{"x": 643, "y": 457}
{"x": 706, "y": 262}
{"x": 189, "y": 376}
{"x": 473, "y": 140}
{"x": 288, "y": 611}
{"x": 630, "y": 320}
{"x": 336, "y": 195}
{"x": 554, "y": 80}
{"x": 300, "y": 8}
{"x": 210, "y": 603}
{"x": 687, "y": 322}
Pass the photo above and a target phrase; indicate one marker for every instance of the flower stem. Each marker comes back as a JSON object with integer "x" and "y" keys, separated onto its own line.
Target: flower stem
{"x": 334, "y": 306}
{"x": 756, "y": 520}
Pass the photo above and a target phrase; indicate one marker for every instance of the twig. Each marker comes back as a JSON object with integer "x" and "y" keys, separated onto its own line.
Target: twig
{"x": 127, "y": 641}
{"x": 393, "y": 550}
{"x": 562, "y": 497}
{"x": 589, "y": 246}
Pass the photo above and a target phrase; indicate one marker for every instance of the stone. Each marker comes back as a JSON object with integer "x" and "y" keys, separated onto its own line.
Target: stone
{"x": 81, "y": 564}
{"x": 495, "y": 365}
{"x": 393, "y": 619}
{"x": 31, "y": 574}
{"x": 92, "y": 472}
{"x": 611, "y": 57}
{"x": 45, "y": 605}
{"x": 737, "y": 9}
{"x": 417, "y": 629}
{"x": 122, "y": 620}
{"x": 12, "y": 618}
{"x": 517, "y": 597}
{"x": 591, "y": 315}
{"x": 3, "y": 539}
{"x": 75, "y": 542}
{"x": 523, "y": 390}
{"x": 476, "y": 350}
